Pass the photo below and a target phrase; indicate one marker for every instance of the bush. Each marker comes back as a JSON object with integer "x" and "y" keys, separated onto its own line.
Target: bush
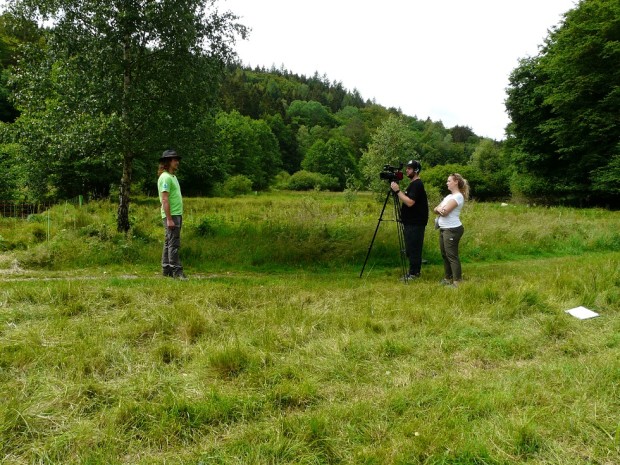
{"x": 280, "y": 181}
{"x": 234, "y": 186}
{"x": 434, "y": 194}
{"x": 210, "y": 226}
{"x": 307, "y": 180}
{"x": 39, "y": 234}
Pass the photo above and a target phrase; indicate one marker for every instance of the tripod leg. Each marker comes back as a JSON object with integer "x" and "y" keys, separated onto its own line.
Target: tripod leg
{"x": 387, "y": 197}
{"x": 401, "y": 240}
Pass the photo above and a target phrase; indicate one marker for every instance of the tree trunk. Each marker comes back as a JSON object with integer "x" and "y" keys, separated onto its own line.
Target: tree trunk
{"x": 122, "y": 219}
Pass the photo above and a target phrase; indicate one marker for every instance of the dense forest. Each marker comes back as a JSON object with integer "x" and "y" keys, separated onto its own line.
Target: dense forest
{"x": 88, "y": 104}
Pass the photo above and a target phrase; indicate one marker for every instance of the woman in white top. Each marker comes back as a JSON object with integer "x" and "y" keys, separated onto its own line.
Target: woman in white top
{"x": 450, "y": 227}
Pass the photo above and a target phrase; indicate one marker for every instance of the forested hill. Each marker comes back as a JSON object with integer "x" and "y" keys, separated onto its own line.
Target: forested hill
{"x": 256, "y": 92}
{"x": 302, "y": 111}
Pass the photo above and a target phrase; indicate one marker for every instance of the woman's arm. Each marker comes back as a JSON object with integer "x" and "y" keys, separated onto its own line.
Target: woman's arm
{"x": 444, "y": 209}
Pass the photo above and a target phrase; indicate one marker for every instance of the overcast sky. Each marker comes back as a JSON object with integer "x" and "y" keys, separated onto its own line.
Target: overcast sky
{"x": 445, "y": 59}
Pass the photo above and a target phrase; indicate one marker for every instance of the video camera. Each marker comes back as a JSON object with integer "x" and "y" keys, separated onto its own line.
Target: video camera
{"x": 391, "y": 173}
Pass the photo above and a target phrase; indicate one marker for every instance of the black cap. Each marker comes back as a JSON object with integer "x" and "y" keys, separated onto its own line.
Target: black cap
{"x": 169, "y": 154}
{"x": 415, "y": 164}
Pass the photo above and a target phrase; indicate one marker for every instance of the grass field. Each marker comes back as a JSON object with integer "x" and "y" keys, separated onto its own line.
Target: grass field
{"x": 277, "y": 352}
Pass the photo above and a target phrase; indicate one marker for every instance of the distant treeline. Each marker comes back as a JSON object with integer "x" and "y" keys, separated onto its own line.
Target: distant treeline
{"x": 71, "y": 126}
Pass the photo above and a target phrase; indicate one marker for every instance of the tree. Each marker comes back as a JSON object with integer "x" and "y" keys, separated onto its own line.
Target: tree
{"x": 435, "y": 178}
{"x": 116, "y": 82}
{"x": 334, "y": 158}
{"x": 205, "y": 167}
{"x": 248, "y": 147}
{"x": 487, "y": 157}
{"x": 393, "y": 143}
{"x": 291, "y": 159}
{"x": 310, "y": 114}
{"x": 565, "y": 105}
{"x": 352, "y": 126}
{"x": 12, "y": 34}
{"x": 462, "y": 133}
{"x": 307, "y": 137}
{"x": 9, "y": 153}
{"x": 491, "y": 160}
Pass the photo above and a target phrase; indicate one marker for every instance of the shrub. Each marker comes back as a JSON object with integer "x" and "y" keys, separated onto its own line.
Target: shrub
{"x": 36, "y": 218}
{"x": 98, "y": 230}
{"x": 434, "y": 194}
{"x": 280, "y": 181}
{"x": 307, "y": 180}
{"x": 210, "y": 226}
{"x": 39, "y": 234}
{"x": 234, "y": 186}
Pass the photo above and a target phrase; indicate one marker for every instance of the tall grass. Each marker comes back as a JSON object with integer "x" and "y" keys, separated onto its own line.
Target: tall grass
{"x": 291, "y": 231}
{"x": 252, "y": 363}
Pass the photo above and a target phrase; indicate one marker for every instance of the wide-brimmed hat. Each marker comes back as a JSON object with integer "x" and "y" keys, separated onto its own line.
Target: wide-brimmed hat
{"x": 169, "y": 154}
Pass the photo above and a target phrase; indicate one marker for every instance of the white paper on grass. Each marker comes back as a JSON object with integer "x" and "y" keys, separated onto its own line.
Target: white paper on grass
{"x": 582, "y": 313}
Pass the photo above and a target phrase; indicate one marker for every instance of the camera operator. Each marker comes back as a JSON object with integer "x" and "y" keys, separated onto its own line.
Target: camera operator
{"x": 414, "y": 215}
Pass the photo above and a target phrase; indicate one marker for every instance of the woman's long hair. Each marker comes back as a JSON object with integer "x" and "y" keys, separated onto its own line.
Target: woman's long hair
{"x": 463, "y": 185}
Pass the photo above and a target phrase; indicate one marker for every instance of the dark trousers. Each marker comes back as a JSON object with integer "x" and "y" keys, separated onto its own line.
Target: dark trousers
{"x": 170, "y": 262}
{"x": 449, "y": 245}
{"x": 414, "y": 240}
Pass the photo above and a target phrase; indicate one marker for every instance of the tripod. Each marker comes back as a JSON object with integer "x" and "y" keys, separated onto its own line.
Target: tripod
{"x": 400, "y": 229}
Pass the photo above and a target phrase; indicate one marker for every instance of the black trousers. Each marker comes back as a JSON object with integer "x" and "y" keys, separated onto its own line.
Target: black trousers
{"x": 414, "y": 240}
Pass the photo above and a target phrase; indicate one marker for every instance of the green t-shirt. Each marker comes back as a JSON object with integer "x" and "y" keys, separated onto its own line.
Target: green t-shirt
{"x": 169, "y": 183}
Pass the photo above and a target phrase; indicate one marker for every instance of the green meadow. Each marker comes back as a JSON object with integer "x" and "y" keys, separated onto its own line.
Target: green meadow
{"x": 276, "y": 351}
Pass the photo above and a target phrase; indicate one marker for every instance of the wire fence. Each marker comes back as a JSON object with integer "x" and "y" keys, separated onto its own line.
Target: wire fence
{"x": 21, "y": 209}
{"x": 37, "y": 214}
{"x": 12, "y": 209}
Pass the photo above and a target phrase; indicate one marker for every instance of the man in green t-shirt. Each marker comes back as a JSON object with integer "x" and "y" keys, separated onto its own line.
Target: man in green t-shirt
{"x": 171, "y": 213}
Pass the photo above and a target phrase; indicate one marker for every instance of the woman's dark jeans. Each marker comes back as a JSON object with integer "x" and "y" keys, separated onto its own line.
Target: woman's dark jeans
{"x": 449, "y": 239}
